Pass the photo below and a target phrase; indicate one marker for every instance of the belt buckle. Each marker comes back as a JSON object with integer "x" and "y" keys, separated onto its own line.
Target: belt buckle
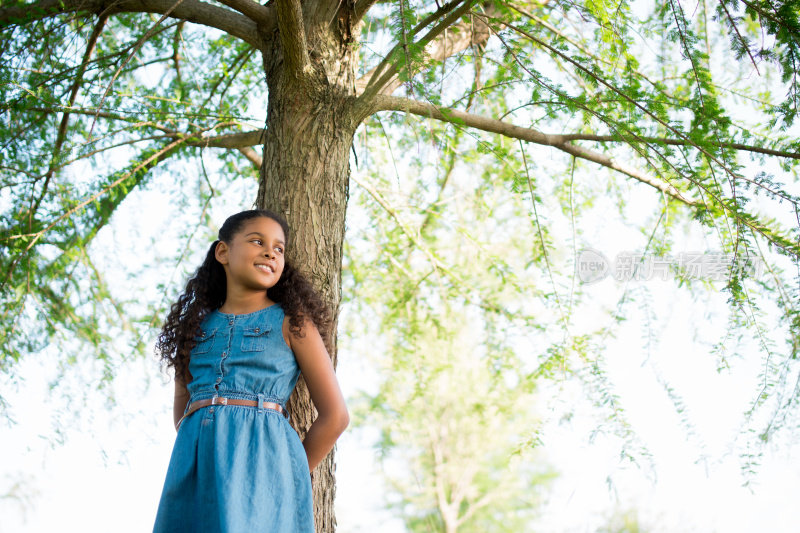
{"x": 219, "y": 400}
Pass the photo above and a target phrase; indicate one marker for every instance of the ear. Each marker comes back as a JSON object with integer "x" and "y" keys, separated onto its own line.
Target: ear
{"x": 221, "y": 252}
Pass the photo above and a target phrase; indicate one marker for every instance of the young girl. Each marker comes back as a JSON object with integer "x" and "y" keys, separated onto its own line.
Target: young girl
{"x": 238, "y": 337}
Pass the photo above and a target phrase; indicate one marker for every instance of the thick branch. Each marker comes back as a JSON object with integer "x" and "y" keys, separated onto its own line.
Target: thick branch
{"x": 232, "y": 140}
{"x": 252, "y": 156}
{"x": 293, "y": 38}
{"x": 191, "y": 10}
{"x": 254, "y": 138}
{"x": 362, "y": 6}
{"x": 394, "y": 103}
{"x": 261, "y": 15}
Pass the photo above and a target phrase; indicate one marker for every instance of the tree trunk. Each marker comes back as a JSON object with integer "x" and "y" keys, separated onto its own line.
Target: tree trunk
{"x": 304, "y": 175}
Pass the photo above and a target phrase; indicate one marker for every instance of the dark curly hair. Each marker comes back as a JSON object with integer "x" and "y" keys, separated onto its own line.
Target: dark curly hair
{"x": 207, "y": 288}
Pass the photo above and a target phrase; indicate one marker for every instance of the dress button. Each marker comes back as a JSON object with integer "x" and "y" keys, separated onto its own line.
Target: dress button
{"x": 257, "y": 330}
{"x": 230, "y": 322}
{"x": 224, "y": 354}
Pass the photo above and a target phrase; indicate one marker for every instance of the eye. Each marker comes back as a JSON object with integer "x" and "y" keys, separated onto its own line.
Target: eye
{"x": 279, "y": 248}
{"x": 257, "y": 240}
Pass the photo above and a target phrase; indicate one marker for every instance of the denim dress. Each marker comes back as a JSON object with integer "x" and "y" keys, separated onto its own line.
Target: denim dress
{"x": 238, "y": 469}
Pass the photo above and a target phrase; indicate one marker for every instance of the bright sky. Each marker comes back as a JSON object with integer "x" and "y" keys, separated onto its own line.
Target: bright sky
{"x": 108, "y": 474}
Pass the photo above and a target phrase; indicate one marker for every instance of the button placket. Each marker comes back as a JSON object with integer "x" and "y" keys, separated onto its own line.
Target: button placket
{"x": 224, "y": 355}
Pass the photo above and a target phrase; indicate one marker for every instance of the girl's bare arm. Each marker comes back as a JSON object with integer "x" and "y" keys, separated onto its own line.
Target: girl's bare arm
{"x": 181, "y": 399}
{"x": 315, "y": 364}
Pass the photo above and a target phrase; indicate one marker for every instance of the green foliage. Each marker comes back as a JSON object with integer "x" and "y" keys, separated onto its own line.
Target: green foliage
{"x": 450, "y": 403}
{"x": 623, "y": 522}
{"x": 683, "y": 105}
{"x": 779, "y": 19}
{"x": 59, "y": 192}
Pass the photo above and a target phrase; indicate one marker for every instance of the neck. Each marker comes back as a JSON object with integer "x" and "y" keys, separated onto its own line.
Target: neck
{"x": 239, "y": 304}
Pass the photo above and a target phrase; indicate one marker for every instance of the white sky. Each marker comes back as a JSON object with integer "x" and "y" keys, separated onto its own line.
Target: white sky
{"x": 109, "y": 473}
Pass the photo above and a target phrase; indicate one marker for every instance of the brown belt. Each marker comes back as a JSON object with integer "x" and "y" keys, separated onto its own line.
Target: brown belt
{"x": 221, "y": 400}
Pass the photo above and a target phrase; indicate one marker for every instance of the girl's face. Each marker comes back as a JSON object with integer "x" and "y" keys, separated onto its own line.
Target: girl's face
{"x": 255, "y": 258}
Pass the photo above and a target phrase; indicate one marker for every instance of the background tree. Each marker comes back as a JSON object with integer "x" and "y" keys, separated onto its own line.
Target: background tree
{"x": 630, "y": 87}
{"x": 458, "y": 425}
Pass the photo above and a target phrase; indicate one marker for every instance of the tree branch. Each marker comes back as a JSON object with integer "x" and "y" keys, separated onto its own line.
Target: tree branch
{"x": 62, "y": 128}
{"x": 375, "y": 83}
{"x": 144, "y": 38}
{"x": 601, "y": 80}
{"x": 448, "y": 44}
{"x": 132, "y": 120}
{"x": 232, "y": 140}
{"x": 561, "y": 142}
{"x": 394, "y": 103}
{"x": 261, "y": 15}
{"x": 739, "y": 35}
{"x": 361, "y": 8}
{"x": 176, "y": 53}
{"x": 254, "y": 138}
{"x": 293, "y": 39}
{"x": 191, "y": 10}
{"x": 679, "y": 142}
{"x": 233, "y": 72}
{"x": 579, "y": 46}
{"x": 252, "y": 156}
{"x": 442, "y": 11}
{"x": 150, "y": 161}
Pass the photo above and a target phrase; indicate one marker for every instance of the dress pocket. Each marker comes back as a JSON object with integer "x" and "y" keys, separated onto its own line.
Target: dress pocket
{"x": 255, "y": 339}
{"x": 204, "y": 341}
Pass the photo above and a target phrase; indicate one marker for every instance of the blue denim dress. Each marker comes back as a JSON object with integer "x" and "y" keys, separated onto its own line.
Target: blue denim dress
{"x": 238, "y": 469}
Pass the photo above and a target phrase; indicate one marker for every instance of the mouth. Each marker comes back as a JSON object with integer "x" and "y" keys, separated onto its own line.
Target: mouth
{"x": 265, "y": 268}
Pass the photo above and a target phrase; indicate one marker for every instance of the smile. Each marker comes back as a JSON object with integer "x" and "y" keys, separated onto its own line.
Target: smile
{"x": 265, "y": 268}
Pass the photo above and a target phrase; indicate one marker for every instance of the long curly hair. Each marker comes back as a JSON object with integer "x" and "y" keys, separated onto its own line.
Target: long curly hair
{"x": 207, "y": 289}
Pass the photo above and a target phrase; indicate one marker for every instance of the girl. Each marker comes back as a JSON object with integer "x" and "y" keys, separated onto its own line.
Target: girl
{"x": 238, "y": 337}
